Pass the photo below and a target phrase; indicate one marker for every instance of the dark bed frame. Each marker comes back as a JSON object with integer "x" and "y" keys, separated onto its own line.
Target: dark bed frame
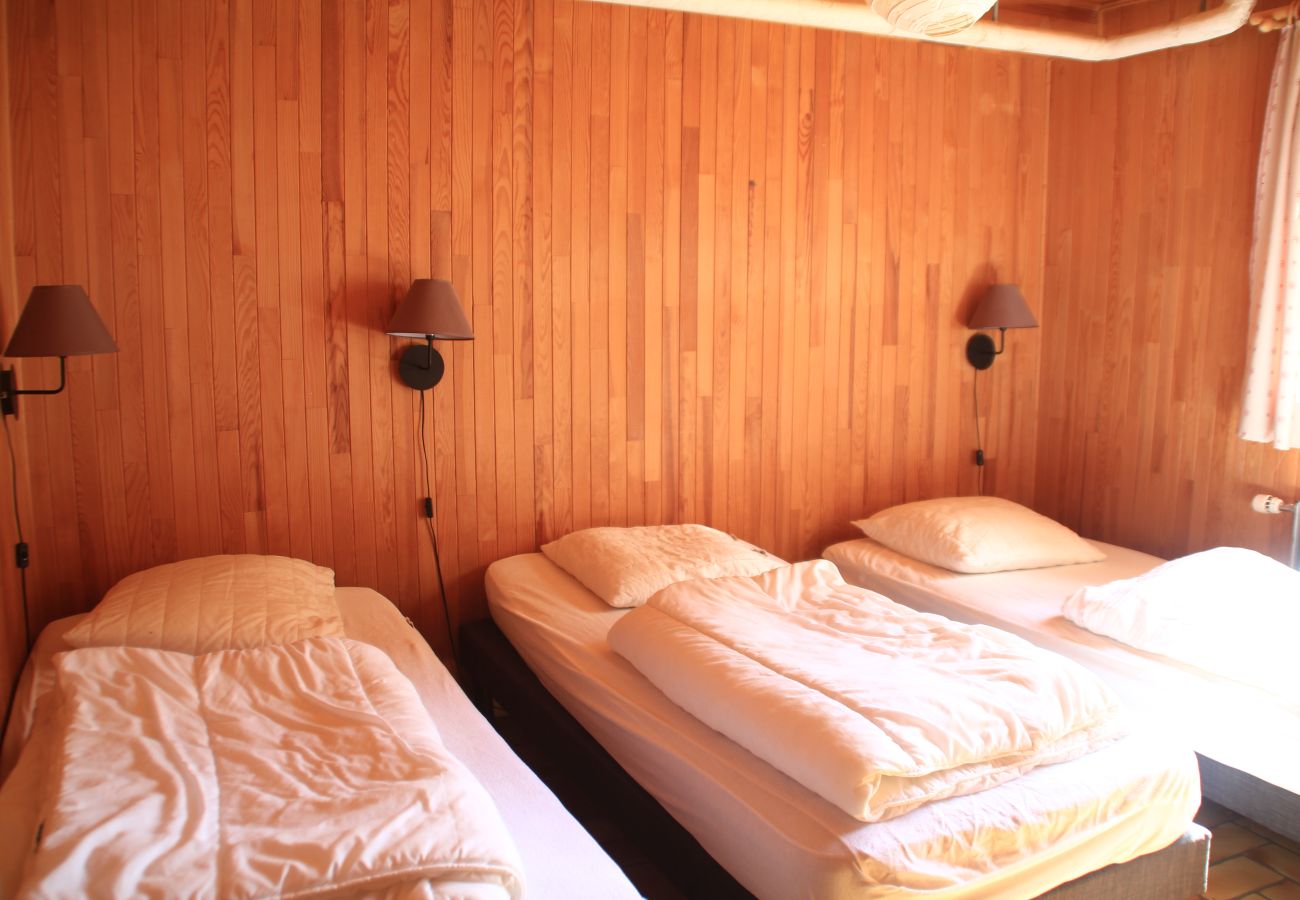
{"x": 1246, "y": 795}
{"x": 493, "y": 674}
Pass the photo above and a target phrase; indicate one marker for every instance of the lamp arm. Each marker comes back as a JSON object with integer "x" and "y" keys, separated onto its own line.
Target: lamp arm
{"x": 63, "y": 381}
{"x": 1002, "y": 342}
{"x": 9, "y": 390}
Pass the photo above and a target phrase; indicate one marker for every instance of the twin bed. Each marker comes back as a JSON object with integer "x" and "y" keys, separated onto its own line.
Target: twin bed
{"x": 1097, "y": 809}
{"x": 778, "y": 839}
{"x": 1245, "y": 735}
{"x": 555, "y": 855}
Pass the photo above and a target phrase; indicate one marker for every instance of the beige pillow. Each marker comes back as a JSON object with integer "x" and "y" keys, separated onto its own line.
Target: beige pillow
{"x": 625, "y": 566}
{"x": 215, "y": 603}
{"x": 977, "y": 534}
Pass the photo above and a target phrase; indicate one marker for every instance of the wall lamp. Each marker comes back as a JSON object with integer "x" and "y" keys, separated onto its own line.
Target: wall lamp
{"x": 58, "y": 320}
{"x": 1274, "y": 506}
{"x": 1001, "y": 307}
{"x": 431, "y": 312}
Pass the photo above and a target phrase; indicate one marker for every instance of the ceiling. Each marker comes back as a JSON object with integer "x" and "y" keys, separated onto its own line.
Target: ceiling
{"x": 1103, "y": 18}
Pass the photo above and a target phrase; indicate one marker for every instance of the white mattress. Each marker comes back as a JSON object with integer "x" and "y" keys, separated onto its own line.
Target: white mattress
{"x": 560, "y": 859}
{"x": 1235, "y": 724}
{"x": 780, "y": 840}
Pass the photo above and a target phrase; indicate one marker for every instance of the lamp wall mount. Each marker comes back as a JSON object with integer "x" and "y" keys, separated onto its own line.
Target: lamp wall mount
{"x": 420, "y": 367}
{"x": 980, "y": 350}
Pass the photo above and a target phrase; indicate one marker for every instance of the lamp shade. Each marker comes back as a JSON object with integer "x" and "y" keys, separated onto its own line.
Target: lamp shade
{"x": 1002, "y": 306}
{"x": 431, "y": 310}
{"x": 933, "y": 18}
{"x": 59, "y": 320}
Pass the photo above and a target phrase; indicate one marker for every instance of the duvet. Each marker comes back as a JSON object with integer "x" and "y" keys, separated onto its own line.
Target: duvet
{"x": 877, "y": 708}
{"x": 300, "y": 770}
{"x": 1230, "y": 611}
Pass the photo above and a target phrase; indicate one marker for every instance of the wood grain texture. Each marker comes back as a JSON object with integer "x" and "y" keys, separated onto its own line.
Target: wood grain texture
{"x": 718, "y": 271}
{"x": 1146, "y": 306}
{"x": 12, "y": 649}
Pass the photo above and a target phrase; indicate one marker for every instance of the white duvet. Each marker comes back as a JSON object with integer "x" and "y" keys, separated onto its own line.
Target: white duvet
{"x": 875, "y": 707}
{"x": 300, "y": 770}
{"x": 1229, "y": 611}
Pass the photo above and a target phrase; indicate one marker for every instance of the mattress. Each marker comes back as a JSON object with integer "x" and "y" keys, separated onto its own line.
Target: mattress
{"x": 780, "y": 840}
{"x": 560, "y": 858}
{"x": 1232, "y": 723}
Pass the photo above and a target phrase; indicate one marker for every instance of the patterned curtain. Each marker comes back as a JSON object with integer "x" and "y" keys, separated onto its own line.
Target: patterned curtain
{"x": 1271, "y": 405}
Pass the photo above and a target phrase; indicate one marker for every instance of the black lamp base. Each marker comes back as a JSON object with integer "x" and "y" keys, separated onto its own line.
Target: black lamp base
{"x": 8, "y": 392}
{"x": 421, "y": 367}
{"x": 980, "y": 351}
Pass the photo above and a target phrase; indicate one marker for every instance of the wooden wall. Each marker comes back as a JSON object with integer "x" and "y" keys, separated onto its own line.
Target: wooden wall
{"x": 1146, "y": 306}
{"x": 12, "y": 642}
{"x": 717, "y": 271}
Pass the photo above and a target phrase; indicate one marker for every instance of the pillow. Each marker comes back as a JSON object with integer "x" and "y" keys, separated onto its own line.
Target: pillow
{"x": 625, "y": 566}
{"x": 214, "y": 603}
{"x": 977, "y": 534}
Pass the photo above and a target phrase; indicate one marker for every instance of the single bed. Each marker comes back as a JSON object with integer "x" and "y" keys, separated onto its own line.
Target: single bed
{"x": 560, "y": 858}
{"x": 776, "y": 838}
{"x": 1247, "y": 738}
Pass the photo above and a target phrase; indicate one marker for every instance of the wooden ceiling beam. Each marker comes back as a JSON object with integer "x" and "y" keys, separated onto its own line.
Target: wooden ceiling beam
{"x": 1068, "y": 12}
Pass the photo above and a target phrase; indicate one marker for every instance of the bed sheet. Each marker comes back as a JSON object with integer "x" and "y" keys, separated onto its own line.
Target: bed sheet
{"x": 560, "y": 858}
{"x": 1233, "y": 723}
{"x": 779, "y": 839}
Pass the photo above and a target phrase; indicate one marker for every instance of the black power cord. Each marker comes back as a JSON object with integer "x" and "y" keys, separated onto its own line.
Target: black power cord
{"x": 979, "y": 440}
{"x": 433, "y": 539}
{"x": 20, "y": 549}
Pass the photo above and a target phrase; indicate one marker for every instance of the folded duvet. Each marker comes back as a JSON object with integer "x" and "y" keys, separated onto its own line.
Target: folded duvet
{"x": 875, "y": 707}
{"x": 301, "y": 770}
{"x": 1230, "y": 611}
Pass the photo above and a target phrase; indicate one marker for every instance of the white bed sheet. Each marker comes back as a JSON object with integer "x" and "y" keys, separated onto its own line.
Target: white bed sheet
{"x": 781, "y": 840}
{"x": 1240, "y": 726}
{"x": 560, "y": 859}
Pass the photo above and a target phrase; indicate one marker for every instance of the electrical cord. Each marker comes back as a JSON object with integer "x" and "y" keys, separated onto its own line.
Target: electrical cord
{"x": 433, "y": 539}
{"x": 18, "y": 527}
{"x": 979, "y": 439}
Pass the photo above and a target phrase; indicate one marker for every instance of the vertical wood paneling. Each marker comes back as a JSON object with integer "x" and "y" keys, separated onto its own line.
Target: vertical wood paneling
{"x": 1146, "y": 302}
{"x": 717, "y": 272}
{"x": 12, "y": 651}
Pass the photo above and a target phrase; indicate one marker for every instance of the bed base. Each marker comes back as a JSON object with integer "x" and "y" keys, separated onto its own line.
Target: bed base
{"x": 1243, "y": 793}
{"x": 492, "y": 672}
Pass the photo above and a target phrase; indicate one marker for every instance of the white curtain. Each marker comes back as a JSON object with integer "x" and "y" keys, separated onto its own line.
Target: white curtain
{"x": 1271, "y": 406}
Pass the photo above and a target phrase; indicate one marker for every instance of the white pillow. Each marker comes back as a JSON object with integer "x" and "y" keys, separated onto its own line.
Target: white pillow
{"x": 625, "y": 566}
{"x": 977, "y": 534}
{"x": 215, "y": 603}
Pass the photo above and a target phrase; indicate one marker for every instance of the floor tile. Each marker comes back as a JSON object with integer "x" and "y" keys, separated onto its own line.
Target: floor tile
{"x": 1287, "y": 890}
{"x": 1238, "y": 876}
{"x": 1293, "y": 846}
{"x": 1231, "y": 839}
{"x": 1277, "y": 858}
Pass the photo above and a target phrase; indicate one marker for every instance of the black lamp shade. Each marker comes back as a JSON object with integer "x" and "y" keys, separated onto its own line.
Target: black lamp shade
{"x": 59, "y": 320}
{"x": 431, "y": 311}
{"x": 1002, "y": 306}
